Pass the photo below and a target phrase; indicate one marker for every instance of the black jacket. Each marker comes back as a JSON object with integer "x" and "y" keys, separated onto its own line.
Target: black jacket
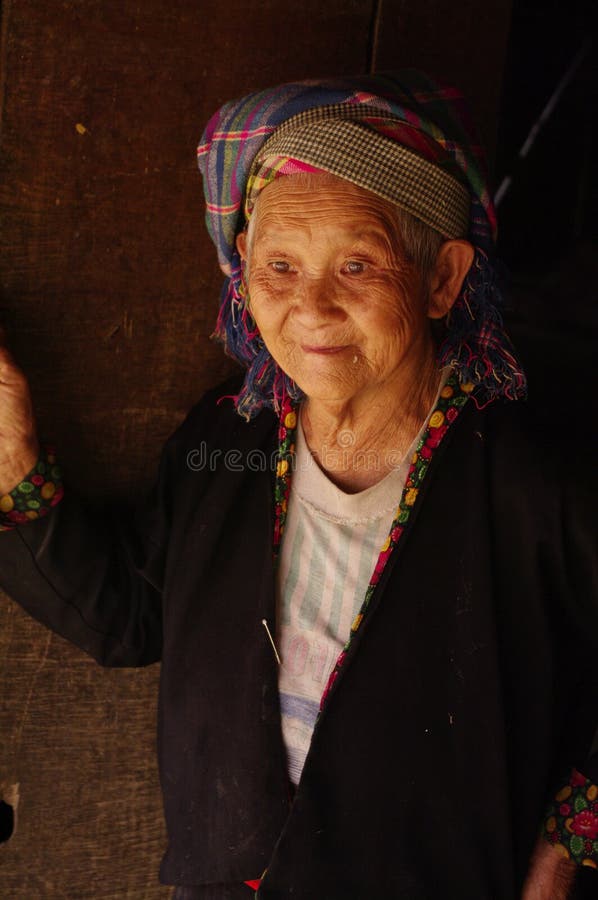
{"x": 470, "y": 690}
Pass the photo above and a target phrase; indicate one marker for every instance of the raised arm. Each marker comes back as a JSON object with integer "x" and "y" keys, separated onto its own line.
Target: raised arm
{"x": 19, "y": 447}
{"x": 93, "y": 576}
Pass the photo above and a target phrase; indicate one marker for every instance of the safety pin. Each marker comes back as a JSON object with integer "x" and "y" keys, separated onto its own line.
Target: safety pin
{"x": 270, "y": 638}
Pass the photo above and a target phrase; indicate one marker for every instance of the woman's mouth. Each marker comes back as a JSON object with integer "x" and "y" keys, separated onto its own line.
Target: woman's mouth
{"x": 323, "y": 349}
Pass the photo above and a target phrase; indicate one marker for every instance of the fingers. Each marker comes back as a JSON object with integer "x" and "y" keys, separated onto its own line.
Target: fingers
{"x": 10, "y": 373}
{"x": 550, "y": 876}
{"x": 3, "y": 338}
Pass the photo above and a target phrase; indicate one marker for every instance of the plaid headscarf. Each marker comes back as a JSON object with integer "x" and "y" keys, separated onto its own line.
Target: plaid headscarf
{"x": 429, "y": 120}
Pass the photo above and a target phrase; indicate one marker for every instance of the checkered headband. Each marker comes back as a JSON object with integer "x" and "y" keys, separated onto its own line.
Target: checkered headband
{"x": 361, "y": 146}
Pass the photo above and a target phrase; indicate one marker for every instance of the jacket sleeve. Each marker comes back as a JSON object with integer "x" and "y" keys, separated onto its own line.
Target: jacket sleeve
{"x": 95, "y": 575}
{"x": 571, "y": 820}
{"x": 580, "y": 542}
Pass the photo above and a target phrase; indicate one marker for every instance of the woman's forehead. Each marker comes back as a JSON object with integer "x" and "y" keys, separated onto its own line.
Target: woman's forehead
{"x": 307, "y": 200}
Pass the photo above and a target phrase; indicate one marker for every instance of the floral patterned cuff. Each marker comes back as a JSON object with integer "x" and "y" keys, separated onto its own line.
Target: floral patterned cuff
{"x": 35, "y": 496}
{"x": 571, "y": 823}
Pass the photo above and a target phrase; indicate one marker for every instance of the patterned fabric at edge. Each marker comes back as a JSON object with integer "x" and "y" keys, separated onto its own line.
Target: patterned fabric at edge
{"x": 39, "y": 491}
{"x": 430, "y": 120}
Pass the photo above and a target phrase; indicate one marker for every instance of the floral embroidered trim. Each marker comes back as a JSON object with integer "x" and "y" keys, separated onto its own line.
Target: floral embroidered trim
{"x": 571, "y": 823}
{"x": 284, "y": 468}
{"x": 34, "y": 497}
{"x": 451, "y": 400}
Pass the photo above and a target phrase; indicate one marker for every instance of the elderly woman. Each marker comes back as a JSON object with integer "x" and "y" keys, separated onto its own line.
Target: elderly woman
{"x": 362, "y": 645}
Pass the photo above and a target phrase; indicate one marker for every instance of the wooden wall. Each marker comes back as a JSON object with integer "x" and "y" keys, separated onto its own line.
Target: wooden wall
{"x": 109, "y": 289}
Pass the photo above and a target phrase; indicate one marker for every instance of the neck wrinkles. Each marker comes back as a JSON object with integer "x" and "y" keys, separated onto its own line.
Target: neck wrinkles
{"x": 344, "y": 438}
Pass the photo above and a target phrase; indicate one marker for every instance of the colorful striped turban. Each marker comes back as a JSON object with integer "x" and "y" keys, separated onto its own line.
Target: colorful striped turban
{"x": 399, "y": 135}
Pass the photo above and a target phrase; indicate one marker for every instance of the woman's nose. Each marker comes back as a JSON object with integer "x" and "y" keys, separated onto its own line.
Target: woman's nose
{"x": 318, "y": 301}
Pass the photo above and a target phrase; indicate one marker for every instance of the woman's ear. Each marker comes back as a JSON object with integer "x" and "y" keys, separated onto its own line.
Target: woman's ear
{"x": 242, "y": 245}
{"x": 452, "y": 265}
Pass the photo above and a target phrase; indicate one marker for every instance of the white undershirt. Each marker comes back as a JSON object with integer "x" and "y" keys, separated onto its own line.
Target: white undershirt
{"x": 331, "y": 544}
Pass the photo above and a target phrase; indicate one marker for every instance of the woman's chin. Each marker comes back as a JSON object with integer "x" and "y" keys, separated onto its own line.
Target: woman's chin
{"x": 329, "y": 385}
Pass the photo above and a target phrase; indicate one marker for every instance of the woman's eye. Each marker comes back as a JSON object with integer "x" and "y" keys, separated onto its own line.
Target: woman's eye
{"x": 354, "y": 267}
{"x": 281, "y": 266}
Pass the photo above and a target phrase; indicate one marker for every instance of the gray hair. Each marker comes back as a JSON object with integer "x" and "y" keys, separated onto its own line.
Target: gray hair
{"x": 420, "y": 242}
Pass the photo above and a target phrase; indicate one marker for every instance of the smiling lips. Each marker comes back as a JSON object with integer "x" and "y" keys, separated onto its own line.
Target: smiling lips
{"x": 325, "y": 350}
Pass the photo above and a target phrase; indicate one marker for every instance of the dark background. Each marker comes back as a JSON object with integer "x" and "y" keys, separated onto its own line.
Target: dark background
{"x": 548, "y": 234}
{"x": 109, "y": 289}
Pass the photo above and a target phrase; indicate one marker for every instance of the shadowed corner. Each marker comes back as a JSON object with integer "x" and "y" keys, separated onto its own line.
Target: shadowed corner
{"x": 9, "y": 801}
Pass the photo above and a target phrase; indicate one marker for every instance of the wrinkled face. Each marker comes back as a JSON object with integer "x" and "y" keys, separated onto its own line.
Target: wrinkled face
{"x": 339, "y": 307}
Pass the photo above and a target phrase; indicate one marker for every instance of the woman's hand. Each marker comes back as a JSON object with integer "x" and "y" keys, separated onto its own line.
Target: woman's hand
{"x": 550, "y": 875}
{"x": 19, "y": 447}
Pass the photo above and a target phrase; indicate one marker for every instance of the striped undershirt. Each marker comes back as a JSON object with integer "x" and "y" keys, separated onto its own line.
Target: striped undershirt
{"x": 330, "y": 547}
